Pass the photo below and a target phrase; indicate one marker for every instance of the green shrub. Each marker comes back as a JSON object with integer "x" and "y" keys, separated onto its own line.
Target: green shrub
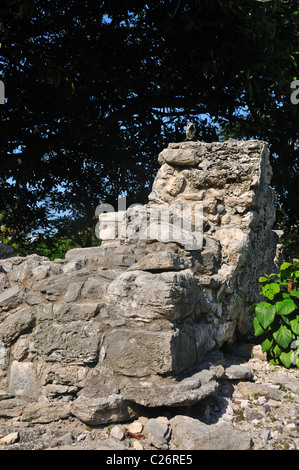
{"x": 276, "y": 319}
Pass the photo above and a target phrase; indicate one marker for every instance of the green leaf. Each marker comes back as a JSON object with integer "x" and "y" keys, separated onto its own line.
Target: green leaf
{"x": 295, "y": 293}
{"x": 276, "y": 351}
{"x": 283, "y": 336}
{"x": 284, "y": 266}
{"x": 287, "y": 358}
{"x": 258, "y": 329}
{"x": 285, "y": 307}
{"x": 266, "y": 344}
{"x": 270, "y": 290}
{"x": 286, "y": 320}
{"x": 265, "y": 314}
{"x": 295, "y": 325}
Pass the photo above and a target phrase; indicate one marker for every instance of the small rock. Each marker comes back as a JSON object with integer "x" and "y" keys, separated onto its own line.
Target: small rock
{"x": 244, "y": 403}
{"x": 265, "y": 434}
{"x": 137, "y": 445}
{"x": 290, "y": 427}
{"x": 10, "y": 438}
{"x": 251, "y": 414}
{"x": 236, "y": 372}
{"x": 66, "y": 439}
{"x": 117, "y": 433}
{"x": 158, "y": 432}
{"x": 262, "y": 400}
{"x": 135, "y": 427}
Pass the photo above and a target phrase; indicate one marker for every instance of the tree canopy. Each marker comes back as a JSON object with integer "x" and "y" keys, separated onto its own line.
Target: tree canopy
{"x": 95, "y": 89}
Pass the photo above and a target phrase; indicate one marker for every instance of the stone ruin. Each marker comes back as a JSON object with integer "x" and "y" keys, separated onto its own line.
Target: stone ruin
{"x": 111, "y": 330}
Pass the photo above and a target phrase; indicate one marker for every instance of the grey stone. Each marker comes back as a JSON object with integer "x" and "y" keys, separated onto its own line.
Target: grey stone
{"x": 179, "y": 157}
{"x": 265, "y": 434}
{"x": 23, "y": 380}
{"x": 169, "y": 295}
{"x": 58, "y": 285}
{"x": 94, "y": 288}
{"x": 287, "y": 382}
{"x": 158, "y": 392}
{"x": 192, "y": 434}
{"x": 159, "y": 432}
{"x": 75, "y": 342}
{"x": 12, "y": 407}
{"x": 251, "y": 414}
{"x": 75, "y": 311}
{"x": 139, "y": 353}
{"x": 43, "y": 412}
{"x": 161, "y": 261}
{"x": 73, "y": 291}
{"x": 71, "y": 266}
{"x": 33, "y": 299}
{"x": 96, "y": 411}
{"x": 11, "y": 298}
{"x": 66, "y": 439}
{"x": 117, "y": 433}
{"x": 249, "y": 389}
{"x": 237, "y": 372}
{"x": 10, "y": 438}
{"x": 41, "y": 272}
{"x": 16, "y": 324}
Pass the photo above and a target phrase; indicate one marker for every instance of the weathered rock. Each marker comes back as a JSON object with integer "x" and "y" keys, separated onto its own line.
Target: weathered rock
{"x": 11, "y": 298}
{"x": 108, "y": 409}
{"x": 9, "y": 439}
{"x": 156, "y": 392}
{"x": 127, "y": 324}
{"x": 236, "y": 372}
{"x": 23, "y": 380}
{"x": 162, "y": 261}
{"x": 159, "y": 432}
{"x": 191, "y": 434}
{"x": 15, "y": 324}
{"x": 249, "y": 389}
{"x": 148, "y": 296}
{"x": 43, "y": 412}
{"x": 75, "y": 342}
{"x": 117, "y": 433}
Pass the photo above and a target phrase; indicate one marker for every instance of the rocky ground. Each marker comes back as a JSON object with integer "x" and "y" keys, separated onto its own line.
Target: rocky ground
{"x": 256, "y": 407}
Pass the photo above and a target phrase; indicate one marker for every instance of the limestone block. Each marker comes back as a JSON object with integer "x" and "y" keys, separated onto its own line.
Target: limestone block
{"x": 95, "y": 411}
{"x": 11, "y": 298}
{"x": 73, "y": 291}
{"x": 161, "y": 261}
{"x": 23, "y": 380}
{"x": 140, "y": 353}
{"x": 15, "y": 324}
{"x": 94, "y": 288}
{"x": 58, "y": 285}
{"x": 144, "y": 295}
{"x": 75, "y": 342}
{"x": 179, "y": 157}
{"x": 43, "y": 412}
{"x": 192, "y": 434}
{"x": 75, "y": 311}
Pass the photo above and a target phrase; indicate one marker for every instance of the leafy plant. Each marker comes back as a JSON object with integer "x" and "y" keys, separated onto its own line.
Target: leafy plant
{"x": 276, "y": 319}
